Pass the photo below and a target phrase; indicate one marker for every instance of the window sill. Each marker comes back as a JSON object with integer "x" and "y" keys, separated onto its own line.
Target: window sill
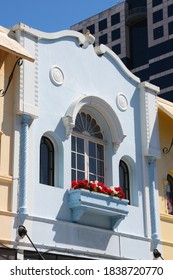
{"x": 84, "y": 201}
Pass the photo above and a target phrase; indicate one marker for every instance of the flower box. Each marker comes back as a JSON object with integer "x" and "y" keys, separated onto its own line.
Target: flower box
{"x": 82, "y": 201}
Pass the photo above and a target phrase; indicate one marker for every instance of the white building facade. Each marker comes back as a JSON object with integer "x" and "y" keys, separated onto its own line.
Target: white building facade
{"x": 81, "y": 114}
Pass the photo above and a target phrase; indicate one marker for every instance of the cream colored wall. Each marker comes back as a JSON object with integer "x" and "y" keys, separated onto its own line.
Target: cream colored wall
{"x": 164, "y": 164}
{"x": 6, "y": 148}
{"x": 6, "y": 131}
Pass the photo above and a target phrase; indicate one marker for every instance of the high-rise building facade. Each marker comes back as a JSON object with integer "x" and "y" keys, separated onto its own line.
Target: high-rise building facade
{"x": 141, "y": 34}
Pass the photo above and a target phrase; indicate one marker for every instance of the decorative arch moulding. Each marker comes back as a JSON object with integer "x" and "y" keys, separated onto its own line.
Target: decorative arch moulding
{"x": 104, "y": 108}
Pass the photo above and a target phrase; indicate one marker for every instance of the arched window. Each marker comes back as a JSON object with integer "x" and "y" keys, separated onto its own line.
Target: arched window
{"x": 124, "y": 178}
{"x": 169, "y": 194}
{"x": 46, "y": 161}
{"x": 87, "y": 148}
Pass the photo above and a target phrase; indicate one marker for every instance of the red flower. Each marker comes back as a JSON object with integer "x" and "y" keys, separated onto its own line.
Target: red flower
{"x": 98, "y": 187}
{"x": 74, "y": 184}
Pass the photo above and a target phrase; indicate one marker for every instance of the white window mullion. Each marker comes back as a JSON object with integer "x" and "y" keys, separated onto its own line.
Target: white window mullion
{"x": 86, "y": 147}
{"x": 87, "y": 128}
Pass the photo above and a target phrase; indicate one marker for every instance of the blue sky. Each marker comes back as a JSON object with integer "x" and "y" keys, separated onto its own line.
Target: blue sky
{"x": 50, "y": 15}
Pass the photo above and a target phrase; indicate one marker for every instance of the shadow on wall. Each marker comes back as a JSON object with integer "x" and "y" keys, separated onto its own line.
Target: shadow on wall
{"x": 70, "y": 233}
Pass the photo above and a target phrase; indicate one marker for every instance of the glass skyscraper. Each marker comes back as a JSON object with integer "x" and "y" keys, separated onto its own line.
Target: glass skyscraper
{"x": 140, "y": 32}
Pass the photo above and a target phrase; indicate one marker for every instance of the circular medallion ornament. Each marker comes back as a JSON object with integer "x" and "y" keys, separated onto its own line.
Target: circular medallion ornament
{"x": 56, "y": 75}
{"x": 122, "y": 102}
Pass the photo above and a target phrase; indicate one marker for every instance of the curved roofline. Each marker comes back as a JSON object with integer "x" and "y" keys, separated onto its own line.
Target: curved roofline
{"x": 102, "y": 49}
{"x": 83, "y": 40}
{"x": 47, "y": 35}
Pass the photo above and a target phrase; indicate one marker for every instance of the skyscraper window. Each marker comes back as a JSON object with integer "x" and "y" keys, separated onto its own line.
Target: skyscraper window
{"x": 115, "y": 19}
{"x": 158, "y": 32}
{"x": 115, "y": 34}
{"x": 102, "y": 24}
{"x": 157, "y": 16}
{"x": 157, "y": 2}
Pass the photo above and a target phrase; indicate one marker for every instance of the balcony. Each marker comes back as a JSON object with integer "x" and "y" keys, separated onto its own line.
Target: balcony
{"x": 83, "y": 202}
{"x": 136, "y": 15}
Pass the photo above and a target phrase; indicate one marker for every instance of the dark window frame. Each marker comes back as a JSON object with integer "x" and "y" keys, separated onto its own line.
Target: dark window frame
{"x": 124, "y": 178}
{"x": 170, "y": 194}
{"x": 46, "y": 161}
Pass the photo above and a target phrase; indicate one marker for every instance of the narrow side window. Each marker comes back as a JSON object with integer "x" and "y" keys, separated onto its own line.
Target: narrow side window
{"x": 124, "y": 179}
{"x": 169, "y": 194}
{"x": 46, "y": 161}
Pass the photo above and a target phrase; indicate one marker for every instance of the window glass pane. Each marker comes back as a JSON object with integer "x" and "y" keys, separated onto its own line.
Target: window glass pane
{"x": 157, "y": 16}
{"x": 117, "y": 49}
{"x": 80, "y": 162}
{"x": 80, "y": 175}
{"x": 86, "y": 125}
{"x": 73, "y": 160}
{"x": 87, "y": 158}
{"x": 46, "y": 162}
{"x": 170, "y": 27}
{"x": 96, "y": 130}
{"x": 88, "y": 122}
{"x": 169, "y": 194}
{"x": 101, "y": 179}
{"x": 158, "y": 32}
{"x": 115, "y": 34}
{"x": 115, "y": 19}
{"x": 93, "y": 123}
{"x": 102, "y": 24}
{"x": 92, "y": 165}
{"x": 99, "y": 135}
{"x": 100, "y": 168}
{"x": 157, "y": 2}
{"x": 92, "y": 177}
{"x": 73, "y": 143}
{"x": 103, "y": 39}
{"x": 170, "y": 10}
{"x": 80, "y": 145}
{"x": 124, "y": 179}
{"x": 100, "y": 151}
{"x": 92, "y": 149}
{"x": 91, "y": 28}
{"x": 73, "y": 175}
